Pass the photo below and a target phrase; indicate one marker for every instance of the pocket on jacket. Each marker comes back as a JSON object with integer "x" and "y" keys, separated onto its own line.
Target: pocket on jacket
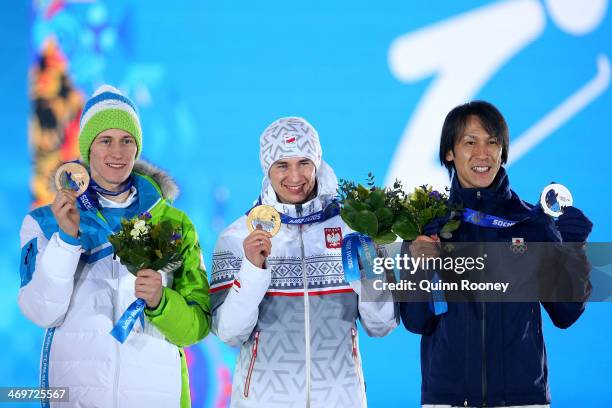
{"x": 28, "y": 261}
{"x": 538, "y": 340}
{"x": 528, "y": 374}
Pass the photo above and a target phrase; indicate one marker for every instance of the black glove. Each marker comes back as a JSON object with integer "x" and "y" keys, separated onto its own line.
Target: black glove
{"x": 573, "y": 225}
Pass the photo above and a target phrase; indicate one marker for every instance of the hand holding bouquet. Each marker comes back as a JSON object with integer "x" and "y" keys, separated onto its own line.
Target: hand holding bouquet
{"x": 140, "y": 245}
{"x": 422, "y": 207}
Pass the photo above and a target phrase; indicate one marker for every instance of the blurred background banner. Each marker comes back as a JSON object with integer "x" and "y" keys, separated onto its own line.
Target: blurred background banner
{"x": 375, "y": 79}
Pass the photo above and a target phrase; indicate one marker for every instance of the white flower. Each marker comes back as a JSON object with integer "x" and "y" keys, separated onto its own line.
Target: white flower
{"x": 140, "y": 228}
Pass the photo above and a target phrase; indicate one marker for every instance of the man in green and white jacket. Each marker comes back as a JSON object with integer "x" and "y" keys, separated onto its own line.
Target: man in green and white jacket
{"x": 74, "y": 286}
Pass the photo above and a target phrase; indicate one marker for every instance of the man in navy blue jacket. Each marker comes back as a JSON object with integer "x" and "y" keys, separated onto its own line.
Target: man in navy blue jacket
{"x": 489, "y": 354}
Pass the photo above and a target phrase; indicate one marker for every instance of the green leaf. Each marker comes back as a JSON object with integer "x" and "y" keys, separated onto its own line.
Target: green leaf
{"x": 376, "y": 199}
{"x": 385, "y": 219}
{"x": 405, "y": 229}
{"x": 356, "y": 205}
{"x": 441, "y": 210}
{"x": 132, "y": 268}
{"x": 425, "y": 217}
{"x": 349, "y": 217}
{"x": 366, "y": 223}
{"x": 451, "y": 226}
{"x": 385, "y": 238}
{"x": 362, "y": 192}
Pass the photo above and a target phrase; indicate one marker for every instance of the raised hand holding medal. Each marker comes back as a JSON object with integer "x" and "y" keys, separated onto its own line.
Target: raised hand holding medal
{"x": 265, "y": 217}
{"x": 263, "y": 222}
{"x": 72, "y": 176}
{"x": 71, "y": 181}
{"x": 554, "y": 198}
{"x": 557, "y": 202}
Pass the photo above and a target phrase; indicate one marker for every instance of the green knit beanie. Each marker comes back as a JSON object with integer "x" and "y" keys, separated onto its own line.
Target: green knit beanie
{"x": 107, "y": 108}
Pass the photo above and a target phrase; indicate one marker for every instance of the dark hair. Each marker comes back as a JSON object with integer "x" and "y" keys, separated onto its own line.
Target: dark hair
{"x": 490, "y": 118}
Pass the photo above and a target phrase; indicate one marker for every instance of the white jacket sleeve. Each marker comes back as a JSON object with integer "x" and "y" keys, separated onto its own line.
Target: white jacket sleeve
{"x": 378, "y": 313}
{"x": 242, "y": 288}
{"x": 48, "y": 268}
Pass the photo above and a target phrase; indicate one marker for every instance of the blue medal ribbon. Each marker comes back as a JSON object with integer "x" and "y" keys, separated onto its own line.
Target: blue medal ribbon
{"x": 331, "y": 210}
{"x": 438, "y": 305}
{"x": 356, "y": 246}
{"x": 328, "y": 212}
{"x": 99, "y": 189}
{"x": 86, "y": 201}
{"x": 125, "y": 324}
{"x": 487, "y": 220}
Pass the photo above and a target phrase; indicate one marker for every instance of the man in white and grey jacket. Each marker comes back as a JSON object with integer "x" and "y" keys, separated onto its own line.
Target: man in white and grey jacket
{"x": 284, "y": 299}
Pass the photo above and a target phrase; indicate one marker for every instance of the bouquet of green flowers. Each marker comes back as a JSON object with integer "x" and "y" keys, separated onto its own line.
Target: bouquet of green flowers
{"x": 383, "y": 214}
{"x": 421, "y": 207}
{"x": 143, "y": 245}
{"x": 371, "y": 210}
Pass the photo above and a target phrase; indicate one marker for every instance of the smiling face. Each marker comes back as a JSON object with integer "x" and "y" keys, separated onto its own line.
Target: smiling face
{"x": 293, "y": 179}
{"x": 476, "y": 154}
{"x": 111, "y": 158}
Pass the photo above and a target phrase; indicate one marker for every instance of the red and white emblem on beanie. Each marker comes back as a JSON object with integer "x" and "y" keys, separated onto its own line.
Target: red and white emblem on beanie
{"x": 290, "y": 140}
{"x": 280, "y": 141}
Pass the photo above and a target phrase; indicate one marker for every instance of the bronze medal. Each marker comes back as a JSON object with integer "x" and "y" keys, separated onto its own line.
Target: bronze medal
{"x": 72, "y": 176}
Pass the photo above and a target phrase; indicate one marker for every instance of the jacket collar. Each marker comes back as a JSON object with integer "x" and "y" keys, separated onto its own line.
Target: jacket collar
{"x": 482, "y": 199}
{"x": 150, "y": 186}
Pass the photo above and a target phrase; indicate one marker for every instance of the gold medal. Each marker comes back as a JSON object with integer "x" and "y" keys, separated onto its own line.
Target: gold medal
{"x": 265, "y": 216}
{"x": 72, "y": 176}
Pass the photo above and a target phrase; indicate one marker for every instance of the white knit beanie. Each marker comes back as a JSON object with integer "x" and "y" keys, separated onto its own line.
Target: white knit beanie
{"x": 289, "y": 137}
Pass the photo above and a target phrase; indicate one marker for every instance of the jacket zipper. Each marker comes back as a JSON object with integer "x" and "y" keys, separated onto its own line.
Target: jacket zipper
{"x": 483, "y": 337}
{"x": 247, "y": 382}
{"x": 356, "y": 355}
{"x": 484, "y": 356}
{"x": 467, "y": 359}
{"x": 117, "y": 345}
{"x": 306, "y": 307}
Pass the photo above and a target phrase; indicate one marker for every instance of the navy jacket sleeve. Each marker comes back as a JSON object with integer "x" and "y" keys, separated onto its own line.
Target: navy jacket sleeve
{"x": 574, "y": 286}
{"x": 417, "y": 317}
